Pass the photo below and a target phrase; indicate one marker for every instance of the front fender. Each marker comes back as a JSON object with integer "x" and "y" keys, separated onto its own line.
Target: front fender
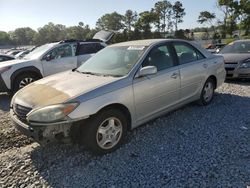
{"x": 123, "y": 96}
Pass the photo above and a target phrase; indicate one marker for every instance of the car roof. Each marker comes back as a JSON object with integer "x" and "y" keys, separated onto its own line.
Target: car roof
{"x": 147, "y": 42}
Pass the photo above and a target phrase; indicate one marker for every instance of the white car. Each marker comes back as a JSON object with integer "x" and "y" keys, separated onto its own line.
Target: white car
{"x": 49, "y": 59}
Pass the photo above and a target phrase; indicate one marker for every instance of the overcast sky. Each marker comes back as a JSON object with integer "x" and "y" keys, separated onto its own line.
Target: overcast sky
{"x": 37, "y": 13}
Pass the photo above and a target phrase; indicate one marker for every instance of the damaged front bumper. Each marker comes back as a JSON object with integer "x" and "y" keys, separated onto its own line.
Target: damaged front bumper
{"x": 43, "y": 133}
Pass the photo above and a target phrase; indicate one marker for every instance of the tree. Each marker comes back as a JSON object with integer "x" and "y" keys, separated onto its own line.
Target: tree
{"x": 207, "y": 17}
{"x": 23, "y": 36}
{"x": 78, "y": 32}
{"x": 230, "y": 9}
{"x": 244, "y": 9}
{"x": 51, "y": 33}
{"x": 4, "y": 38}
{"x": 130, "y": 18}
{"x": 144, "y": 23}
{"x": 163, "y": 12}
{"x": 178, "y": 14}
{"x": 113, "y": 21}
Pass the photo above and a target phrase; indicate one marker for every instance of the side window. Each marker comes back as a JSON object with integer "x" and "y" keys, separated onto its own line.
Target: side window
{"x": 61, "y": 52}
{"x": 89, "y": 48}
{"x": 160, "y": 57}
{"x": 187, "y": 53}
{"x": 98, "y": 47}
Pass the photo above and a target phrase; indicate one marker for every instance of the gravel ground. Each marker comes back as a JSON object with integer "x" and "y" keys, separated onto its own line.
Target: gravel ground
{"x": 191, "y": 147}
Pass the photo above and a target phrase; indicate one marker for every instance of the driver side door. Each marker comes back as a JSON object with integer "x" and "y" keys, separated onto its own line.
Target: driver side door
{"x": 155, "y": 93}
{"x": 59, "y": 59}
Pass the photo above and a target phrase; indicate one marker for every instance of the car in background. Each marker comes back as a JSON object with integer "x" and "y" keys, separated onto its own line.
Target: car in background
{"x": 49, "y": 59}
{"x": 5, "y": 57}
{"x": 14, "y": 52}
{"x": 21, "y": 54}
{"x": 118, "y": 89}
{"x": 237, "y": 59}
{"x": 215, "y": 48}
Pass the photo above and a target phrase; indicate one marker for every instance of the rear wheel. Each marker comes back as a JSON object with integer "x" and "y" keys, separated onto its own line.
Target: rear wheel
{"x": 105, "y": 131}
{"x": 207, "y": 93}
{"x": 23, "y": 80}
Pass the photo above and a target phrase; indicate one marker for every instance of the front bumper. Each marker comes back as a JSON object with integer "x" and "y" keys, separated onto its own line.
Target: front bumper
{"x": 3, "y": 87}
{"x": 43, "y": 133}
{"x": 236, "y": 72}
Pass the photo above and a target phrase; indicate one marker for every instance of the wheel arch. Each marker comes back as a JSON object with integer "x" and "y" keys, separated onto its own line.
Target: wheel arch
{"x": 25, "y": 70}
{"x": 122, "y": 108}
{"x": 214, "y": 79}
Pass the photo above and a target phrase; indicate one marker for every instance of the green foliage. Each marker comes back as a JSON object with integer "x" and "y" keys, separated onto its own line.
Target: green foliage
{"x": 180, "y": 34}
{"x": 162, "y": 12}
{"x": 113, "y": 21}
{"x": 178, "y": 14}
{"x": 4, "y": 38}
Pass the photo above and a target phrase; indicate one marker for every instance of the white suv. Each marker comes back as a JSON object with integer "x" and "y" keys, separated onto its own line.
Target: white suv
{"x": 49, "y": 59}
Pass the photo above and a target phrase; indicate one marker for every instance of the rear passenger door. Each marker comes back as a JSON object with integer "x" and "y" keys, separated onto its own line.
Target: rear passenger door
{"x": 193, "y": 68}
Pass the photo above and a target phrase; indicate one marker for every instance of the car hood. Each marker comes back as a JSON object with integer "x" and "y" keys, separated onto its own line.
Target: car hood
{"x": 59, "y": 88}
{"x": 235, "y": 57}
{"x": 13, "y": 62}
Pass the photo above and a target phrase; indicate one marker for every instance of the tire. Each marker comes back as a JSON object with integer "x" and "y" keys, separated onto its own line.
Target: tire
{"x": 105, "y": 131}
{"x": 23, "y": 80}
{"x": 207, "y": 93}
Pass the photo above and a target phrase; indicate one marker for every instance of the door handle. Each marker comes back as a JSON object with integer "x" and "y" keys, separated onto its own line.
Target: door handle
{"x": 174, "y": 75}
{"x": 205, "y": 65}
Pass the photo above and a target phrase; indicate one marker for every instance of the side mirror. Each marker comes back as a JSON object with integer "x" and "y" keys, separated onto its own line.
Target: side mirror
{"x": 148, "y": 70}
{"x": 47, "y": 57}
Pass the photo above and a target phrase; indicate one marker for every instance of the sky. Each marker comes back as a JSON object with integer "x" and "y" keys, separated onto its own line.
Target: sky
{"x": 37, "y": 13}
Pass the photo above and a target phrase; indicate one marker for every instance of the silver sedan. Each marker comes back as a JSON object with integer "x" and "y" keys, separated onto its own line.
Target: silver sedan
{"x": 237, "y": 59}
{"x": 120, "y": 88}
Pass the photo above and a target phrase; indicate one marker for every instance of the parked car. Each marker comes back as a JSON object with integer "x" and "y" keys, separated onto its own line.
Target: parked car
{"x": 49, "y": 59}
{"x": 13, "y": 52}
{"x": 215, "y": 48}
{"x": 21, "y": 54}
{"x": 237, "y": 59}
{"x": 4, "y": 57}
{"x": 118, "y": 89}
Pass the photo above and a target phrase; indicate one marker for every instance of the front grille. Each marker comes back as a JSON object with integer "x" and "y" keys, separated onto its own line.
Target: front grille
{"x": 231, "y": 62}
{"x": 229, "y": 75}
{"x": 21, "y": 111}
{"x": 229, "y": 68}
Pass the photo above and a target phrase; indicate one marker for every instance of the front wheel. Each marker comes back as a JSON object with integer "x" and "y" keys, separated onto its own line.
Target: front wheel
{"x": 23, "y": 80}
{"x": 207, "y": 93}
{"x": 106, "y": 131}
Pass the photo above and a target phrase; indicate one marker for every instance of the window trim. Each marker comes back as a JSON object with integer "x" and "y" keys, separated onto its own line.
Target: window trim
{"x": 72, "y": 55}
{"x": 171, "y": 52}
{"x": 189, "y": 45}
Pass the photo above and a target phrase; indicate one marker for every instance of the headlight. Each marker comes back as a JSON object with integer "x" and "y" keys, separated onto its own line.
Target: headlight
{"x": 4, "y": 69}
{"x": 53, "y": 113}
{"x": 245, "y": 64}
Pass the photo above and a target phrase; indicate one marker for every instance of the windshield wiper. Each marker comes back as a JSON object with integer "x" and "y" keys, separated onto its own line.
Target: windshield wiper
{"x": 91, "y": 73}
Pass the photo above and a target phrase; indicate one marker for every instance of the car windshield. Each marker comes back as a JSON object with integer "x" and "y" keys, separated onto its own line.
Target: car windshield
{"x": 236, "y": 47}
{"x": 113, "y": 61}
{"x": 37, "y": 52}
